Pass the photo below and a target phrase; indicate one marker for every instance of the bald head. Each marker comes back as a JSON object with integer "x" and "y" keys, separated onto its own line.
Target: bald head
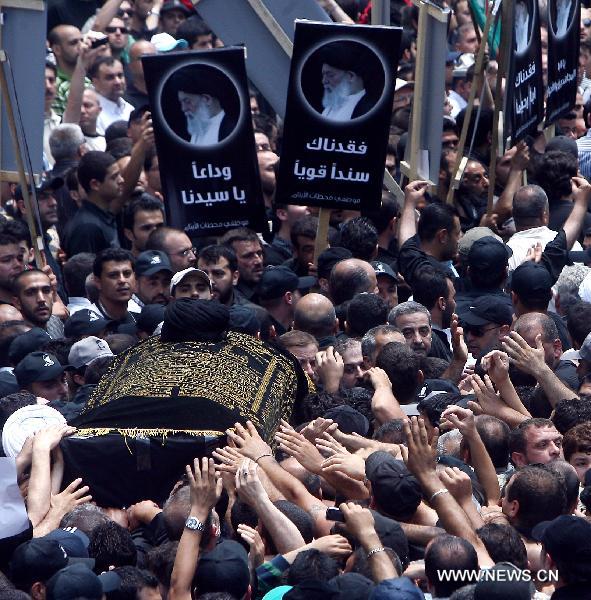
{"x": 137, "y": 50}
{"x": 351, "y": 277}
{"x": 532, "y": 325}
{"x": 315, "y": 315}
{"x": 140, "y": 48}
{"x": 64, "y": 41}
{"x": 9, "y": 313}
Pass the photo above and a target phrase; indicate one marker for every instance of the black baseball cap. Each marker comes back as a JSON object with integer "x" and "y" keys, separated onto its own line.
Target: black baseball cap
{"x": 312, "y": 589}
{"x": 37, "y": 560}
{"x": 8, "y": 384}
{"x": 52, "y": 184}
{"x": 175, "y": 4}
{"x": 151, "y": 262}
{"x": 486, "y": 309}
{"x": 27, "y": 342}
{"x": 532, "y": 281}
{"x": 348, "y": 419}
{"x": 150, "y": 317}
{"x": 567, "y": 539}
{"x": 353, "y": 586}
{"x": 84, "y": 322}
{"x": 37, "y": 366}
{"x": 395, "y": 490}
{"x": 488, "y": 254}
{"x": 74, "y": 541}
{"x": 73, "y": 582}
{"x": 383, "y": 269}
{"x": 278, "y": 280}
{"x": 328, "y": 258}
{"x": 224, "y": 569}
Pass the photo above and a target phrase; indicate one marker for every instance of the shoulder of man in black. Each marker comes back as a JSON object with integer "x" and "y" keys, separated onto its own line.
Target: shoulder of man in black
{"x": 86, "y": 237}
{"x": 411, "y": 258}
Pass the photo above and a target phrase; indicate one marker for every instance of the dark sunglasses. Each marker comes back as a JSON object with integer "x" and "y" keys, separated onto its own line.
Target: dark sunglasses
{"x": 478, "y": 330}
{"x": 122, "y": 12}
{"x": 122, "y": 30}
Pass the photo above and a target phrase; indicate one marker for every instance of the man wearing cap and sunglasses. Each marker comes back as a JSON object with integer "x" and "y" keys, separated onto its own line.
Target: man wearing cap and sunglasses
{"x": 486, "y": 321}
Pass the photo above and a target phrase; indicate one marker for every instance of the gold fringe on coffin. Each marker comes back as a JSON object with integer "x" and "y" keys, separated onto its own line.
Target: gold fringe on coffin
{"x": 136, "y": 432}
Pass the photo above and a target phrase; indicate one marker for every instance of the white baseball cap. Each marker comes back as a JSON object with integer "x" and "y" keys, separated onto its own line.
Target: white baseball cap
{"x": 178, "y": 277}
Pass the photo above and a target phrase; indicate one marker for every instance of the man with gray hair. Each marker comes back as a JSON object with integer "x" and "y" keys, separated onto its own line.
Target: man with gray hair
{"x": 531, "y": 213}
{"x": 567, "y": 288}
{"x": 375, "y": 339}
{"x": 414, "y": 320}
{"x": 66, "y": 144}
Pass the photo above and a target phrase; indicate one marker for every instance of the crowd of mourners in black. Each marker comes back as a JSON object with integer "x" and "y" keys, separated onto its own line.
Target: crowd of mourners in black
{"x": 445, "y": 450}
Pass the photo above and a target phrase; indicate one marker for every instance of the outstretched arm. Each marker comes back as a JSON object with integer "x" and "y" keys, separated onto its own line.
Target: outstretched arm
{"x": 206, "y": 489}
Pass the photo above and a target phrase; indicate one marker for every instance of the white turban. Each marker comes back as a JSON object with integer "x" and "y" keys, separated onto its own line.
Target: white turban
{"x": 25, "y": 422}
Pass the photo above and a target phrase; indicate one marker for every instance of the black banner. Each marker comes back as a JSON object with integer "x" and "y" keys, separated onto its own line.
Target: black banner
{"x": 525, "y": 87}
{"x": 205, "y": 142}
{"x": 337, "y": 119}
{"x": 564, "y": 18}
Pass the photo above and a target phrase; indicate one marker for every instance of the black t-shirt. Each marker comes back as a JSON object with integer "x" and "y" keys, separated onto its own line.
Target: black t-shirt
{"x": 559, "y": 213}
{"x": 91, "y": 230}
{"x": 70, "y": 12}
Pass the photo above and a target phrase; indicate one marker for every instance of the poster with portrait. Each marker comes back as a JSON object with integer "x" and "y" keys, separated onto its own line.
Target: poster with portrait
{"x": 525, "y": 97}
{"x": 339, "y": 104}
{"x": 564, "y": 17}
{"x": 204, "y": 139}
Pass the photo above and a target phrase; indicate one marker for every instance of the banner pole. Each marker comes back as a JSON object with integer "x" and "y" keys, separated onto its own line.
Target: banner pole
{"x": 415, "y": 131}
{"x": 321, "y": 242}
{"x": 504, "y": 53}
{"x": 380, "y": 12}
{"x": 35, "y": 236}
{"x": 265, "y": 15}
{"x": 461, "y": 160}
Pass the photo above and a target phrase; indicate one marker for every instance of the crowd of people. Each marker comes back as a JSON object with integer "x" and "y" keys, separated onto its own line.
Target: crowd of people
{"x": 442, "y": 448}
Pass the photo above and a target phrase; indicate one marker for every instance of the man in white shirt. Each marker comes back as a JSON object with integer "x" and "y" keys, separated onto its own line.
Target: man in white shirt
{"x": 531, "y": 214}
{"x": 89, "y": 114}
{"x": 343, "y": 70}
{"x": 109, "y": 83}
{"x": 51, "y": 118}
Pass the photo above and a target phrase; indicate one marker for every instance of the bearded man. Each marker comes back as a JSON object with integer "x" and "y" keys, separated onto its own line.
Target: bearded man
{"x": 201, "y": 92}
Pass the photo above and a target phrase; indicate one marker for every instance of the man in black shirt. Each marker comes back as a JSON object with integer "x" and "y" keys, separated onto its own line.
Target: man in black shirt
{"x": 93, "y": 228}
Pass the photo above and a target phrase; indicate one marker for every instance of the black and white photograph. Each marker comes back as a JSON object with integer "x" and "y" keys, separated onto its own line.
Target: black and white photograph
{"x": 208, "y": 101}
{"x": 525, "y": 84}
{"x": 339, "y": 105}
{"x": 205, "y": 141}
{"x": 343, "y": 80}
{"x": 564, "y": 39}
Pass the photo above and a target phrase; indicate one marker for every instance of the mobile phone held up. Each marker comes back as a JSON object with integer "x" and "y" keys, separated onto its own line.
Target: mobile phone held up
{"x": 334, "y": 514}
{"x": 99, "y": 42}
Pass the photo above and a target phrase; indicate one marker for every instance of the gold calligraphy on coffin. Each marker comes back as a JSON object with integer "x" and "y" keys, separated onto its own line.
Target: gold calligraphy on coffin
{"x": 240, "y": 373}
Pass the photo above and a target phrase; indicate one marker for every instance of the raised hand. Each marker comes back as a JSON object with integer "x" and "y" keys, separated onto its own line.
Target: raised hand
{"x": 205, "y": 487}
{"x": 248, "y": 441}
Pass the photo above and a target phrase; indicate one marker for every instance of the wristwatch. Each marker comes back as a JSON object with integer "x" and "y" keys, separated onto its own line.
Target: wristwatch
{"x": 194, "y": 524}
